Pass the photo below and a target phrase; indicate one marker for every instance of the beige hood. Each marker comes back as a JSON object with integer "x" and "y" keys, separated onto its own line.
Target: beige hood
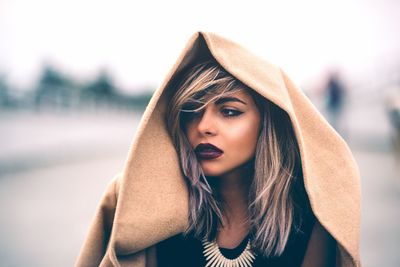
{"x": 148, "y": 202}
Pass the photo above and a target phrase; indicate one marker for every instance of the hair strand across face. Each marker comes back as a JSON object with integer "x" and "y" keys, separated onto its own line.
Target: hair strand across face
{"x": 277, "y": 192}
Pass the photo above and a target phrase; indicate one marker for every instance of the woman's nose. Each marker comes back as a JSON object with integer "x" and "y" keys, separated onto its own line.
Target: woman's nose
{"x": 207, "y": 124}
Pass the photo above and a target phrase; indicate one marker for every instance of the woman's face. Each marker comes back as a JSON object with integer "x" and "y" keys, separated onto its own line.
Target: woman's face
{"x": 232, "y": 125}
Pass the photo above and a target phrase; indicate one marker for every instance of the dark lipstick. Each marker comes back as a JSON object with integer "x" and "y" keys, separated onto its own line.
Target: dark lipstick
{"x": 207, "y": 151}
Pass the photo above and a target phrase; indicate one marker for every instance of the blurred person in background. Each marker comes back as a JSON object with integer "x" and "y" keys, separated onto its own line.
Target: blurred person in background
{"x": 334, "y": 101}
{"x": 392, "y": 104}
{"x": 231, "y": 165}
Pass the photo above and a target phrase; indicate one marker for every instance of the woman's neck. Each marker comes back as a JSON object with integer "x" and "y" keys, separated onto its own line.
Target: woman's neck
{"x": 234, "y": 199}
{"x": 233, "y": 191}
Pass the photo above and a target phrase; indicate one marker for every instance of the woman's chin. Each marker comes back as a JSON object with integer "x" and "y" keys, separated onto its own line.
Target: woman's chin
{"x": 215, "y": 172}
{"x": 212, "y": 171}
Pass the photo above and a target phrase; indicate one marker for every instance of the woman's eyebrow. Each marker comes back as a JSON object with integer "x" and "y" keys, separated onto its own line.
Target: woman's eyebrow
{"x": 229, "y": 99}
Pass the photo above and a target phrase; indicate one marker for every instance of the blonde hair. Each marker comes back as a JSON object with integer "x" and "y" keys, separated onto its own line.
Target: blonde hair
{"x": 277, "y": 191}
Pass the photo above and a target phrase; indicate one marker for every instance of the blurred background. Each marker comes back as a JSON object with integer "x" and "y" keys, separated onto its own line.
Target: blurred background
{"x": 75, "y": 77}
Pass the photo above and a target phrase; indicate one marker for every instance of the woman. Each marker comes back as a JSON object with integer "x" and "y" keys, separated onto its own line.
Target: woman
{"x": 241, "y": 159}
{"x": 230, "y": 161}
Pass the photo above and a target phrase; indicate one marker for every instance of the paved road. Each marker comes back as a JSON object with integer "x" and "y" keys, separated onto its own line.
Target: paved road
{"x": 53, "y": 170}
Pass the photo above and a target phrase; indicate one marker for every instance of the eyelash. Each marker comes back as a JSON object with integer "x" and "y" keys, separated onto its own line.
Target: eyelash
{"x": 225, "y": 112}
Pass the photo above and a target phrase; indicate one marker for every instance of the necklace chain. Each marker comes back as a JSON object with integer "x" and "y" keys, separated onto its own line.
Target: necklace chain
{"x": 215, "y": 258}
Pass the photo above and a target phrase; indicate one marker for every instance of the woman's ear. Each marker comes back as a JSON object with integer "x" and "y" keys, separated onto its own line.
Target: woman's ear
{"x": 321, "y": 249}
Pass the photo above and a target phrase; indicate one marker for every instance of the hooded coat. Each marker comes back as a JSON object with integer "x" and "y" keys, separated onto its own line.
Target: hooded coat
{"x": 148, "y": 201}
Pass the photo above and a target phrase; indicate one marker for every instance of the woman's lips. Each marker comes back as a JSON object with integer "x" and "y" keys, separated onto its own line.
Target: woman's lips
{"x": 208, "y": 154}
{"x": 208, "y": 151}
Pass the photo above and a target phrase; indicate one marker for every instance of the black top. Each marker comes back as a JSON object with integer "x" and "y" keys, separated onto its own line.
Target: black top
{"x": 188, "y": 251}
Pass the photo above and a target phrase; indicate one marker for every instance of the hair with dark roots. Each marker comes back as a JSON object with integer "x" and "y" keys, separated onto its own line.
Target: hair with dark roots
{"x": 277, "y": 192}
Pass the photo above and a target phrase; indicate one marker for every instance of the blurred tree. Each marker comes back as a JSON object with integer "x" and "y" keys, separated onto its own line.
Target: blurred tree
{"x": 56, "y": 90}
{"x": 100, "y": 92}
{"x": 53, "y": 88}
{"x": 102, "y": 86}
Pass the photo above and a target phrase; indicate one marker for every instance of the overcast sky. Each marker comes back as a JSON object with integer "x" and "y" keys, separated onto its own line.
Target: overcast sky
{"x": 139, "y": 41}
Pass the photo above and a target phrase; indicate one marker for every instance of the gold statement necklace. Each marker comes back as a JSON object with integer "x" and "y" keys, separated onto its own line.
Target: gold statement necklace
{"x": 215, "y": 258}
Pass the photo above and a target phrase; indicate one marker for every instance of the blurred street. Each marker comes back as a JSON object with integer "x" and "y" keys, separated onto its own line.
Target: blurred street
{"x": 54, "y": 169}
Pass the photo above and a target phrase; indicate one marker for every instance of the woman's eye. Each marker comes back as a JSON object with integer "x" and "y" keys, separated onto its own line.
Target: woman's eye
{"x": 230, "y": 112}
